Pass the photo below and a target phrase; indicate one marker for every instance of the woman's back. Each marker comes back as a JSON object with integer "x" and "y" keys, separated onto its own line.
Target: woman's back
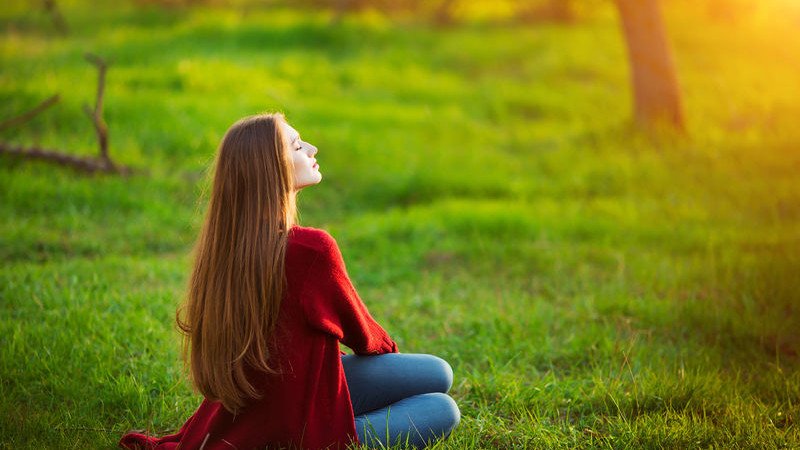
{"x": 306, "y": 403}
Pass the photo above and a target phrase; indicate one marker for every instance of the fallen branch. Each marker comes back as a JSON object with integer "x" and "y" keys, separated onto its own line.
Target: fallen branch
{"x": 84, "y": 164}
{"x": 102, "y": 163}
{"x": 26, "y": 116}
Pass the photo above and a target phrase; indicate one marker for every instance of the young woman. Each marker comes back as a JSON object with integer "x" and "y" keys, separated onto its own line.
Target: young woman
{"x": 268, "y": 304}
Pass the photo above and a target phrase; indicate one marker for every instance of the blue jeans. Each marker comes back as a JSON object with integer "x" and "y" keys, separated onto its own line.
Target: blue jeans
{"x": 400, "y": 398}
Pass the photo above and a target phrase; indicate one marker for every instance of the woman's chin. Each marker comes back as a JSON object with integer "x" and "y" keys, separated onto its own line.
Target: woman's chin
{"x": 308, "y": 183}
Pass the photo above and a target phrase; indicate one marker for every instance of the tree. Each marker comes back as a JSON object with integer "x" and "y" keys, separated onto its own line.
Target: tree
{"x": 657, "y": 97}
{"x": 51, "y": 7}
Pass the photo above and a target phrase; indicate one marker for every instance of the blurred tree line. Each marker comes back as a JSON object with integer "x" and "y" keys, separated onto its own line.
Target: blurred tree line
{"x": 446, "y": 12}
{"x": 656, "y": 92}
{"x": 440, "y": 12}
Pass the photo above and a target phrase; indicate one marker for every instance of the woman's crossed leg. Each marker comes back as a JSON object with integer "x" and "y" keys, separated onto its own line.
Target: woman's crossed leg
{"x": 400, "y": 398}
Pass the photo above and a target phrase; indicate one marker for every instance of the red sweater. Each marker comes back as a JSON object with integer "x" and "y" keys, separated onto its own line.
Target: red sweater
{"x": 308, "y": 404}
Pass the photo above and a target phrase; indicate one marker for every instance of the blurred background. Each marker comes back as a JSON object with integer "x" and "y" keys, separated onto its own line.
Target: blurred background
{"x": 591, "y": 208}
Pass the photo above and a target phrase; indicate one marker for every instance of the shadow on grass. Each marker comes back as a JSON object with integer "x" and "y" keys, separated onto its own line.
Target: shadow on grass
{"x": 753, "y": 306}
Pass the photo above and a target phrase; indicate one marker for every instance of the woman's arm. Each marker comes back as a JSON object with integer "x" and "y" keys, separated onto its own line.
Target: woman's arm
{"x": 333, "y": 306}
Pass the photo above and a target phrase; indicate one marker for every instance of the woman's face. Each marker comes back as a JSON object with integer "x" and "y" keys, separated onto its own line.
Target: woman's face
{"x": 306, "y": 169}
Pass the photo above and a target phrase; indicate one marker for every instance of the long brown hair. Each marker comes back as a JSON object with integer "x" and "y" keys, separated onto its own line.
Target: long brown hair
{"x": 238, "y": 281}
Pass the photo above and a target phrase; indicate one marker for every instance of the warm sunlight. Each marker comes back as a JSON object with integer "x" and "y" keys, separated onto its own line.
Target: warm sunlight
{"x": 392, "y": 224}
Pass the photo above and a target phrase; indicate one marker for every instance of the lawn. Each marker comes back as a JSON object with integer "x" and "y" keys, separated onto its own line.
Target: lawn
{"x": 591, "y": 286}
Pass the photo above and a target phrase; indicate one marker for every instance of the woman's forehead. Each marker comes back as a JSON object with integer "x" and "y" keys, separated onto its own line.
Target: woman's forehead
{"x": 290, "y": 132}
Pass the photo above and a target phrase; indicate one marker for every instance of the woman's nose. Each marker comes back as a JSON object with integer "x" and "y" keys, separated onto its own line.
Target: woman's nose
{"x": 311, "y": 150}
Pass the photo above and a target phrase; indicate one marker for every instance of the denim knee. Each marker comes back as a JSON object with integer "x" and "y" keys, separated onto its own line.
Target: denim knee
{"x": 451, "y": 411}
{"x": 443, "y": 374}
{"x": 448, "y": 415}
{"x": 416, "y": 420}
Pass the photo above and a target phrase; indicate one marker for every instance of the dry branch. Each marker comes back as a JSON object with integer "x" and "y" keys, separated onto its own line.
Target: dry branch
{"x": 96, "y": 115}
{"x": 89, "y": 165}
{"x": 102, "y": 163}
{"x": 26, "y": 116}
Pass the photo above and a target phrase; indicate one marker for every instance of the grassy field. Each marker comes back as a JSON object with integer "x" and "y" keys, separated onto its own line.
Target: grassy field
{"x": 591, "y": 287}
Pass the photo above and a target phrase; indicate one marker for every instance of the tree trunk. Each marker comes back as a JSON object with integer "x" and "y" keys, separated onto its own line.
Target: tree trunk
{"x": 51, "y": 7}
{"x": 657, "y": 97}
{"x": 558, "y": 11}
{"x": 443, "y": 15}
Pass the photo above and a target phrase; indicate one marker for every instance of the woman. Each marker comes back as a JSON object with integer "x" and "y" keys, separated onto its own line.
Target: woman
{"x": 268, "y": 304}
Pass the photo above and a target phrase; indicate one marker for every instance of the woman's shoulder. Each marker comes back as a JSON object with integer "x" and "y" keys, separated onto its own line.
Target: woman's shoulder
{"x": 312, "y": 239}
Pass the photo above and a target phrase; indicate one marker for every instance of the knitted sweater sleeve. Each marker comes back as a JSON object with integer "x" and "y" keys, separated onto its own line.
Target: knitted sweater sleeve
{"x": 332, "y": 305}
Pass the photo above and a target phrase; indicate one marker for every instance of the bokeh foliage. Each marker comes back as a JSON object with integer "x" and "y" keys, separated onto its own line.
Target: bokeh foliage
{"x": 590, "y": 285}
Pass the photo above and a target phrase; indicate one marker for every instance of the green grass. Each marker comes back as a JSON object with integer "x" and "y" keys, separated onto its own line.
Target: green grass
{"x": 591, "y": 287}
